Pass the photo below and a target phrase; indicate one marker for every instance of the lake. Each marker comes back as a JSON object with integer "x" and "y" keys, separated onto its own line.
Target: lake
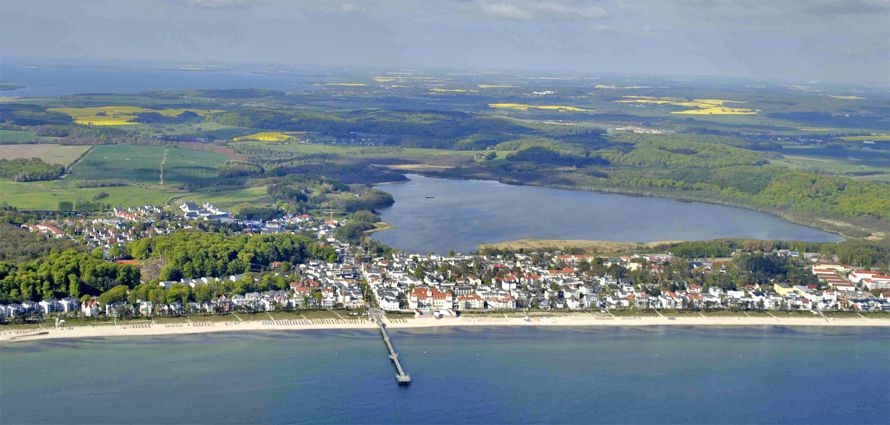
{"x": 440, "y": 215}
{"x": 469, "y": 376}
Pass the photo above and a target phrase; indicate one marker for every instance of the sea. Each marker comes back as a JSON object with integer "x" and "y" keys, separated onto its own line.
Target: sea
{"x": 440, "y": 215}
{"x": 49, "y": 78}
{"x": 646, "y": 375}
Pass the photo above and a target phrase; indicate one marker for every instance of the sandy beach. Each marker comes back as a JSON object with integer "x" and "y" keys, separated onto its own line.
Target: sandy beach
{"x": 579, "y": 320}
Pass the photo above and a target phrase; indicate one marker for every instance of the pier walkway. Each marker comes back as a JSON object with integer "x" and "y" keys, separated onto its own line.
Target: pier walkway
{"x": 402, "y": 378}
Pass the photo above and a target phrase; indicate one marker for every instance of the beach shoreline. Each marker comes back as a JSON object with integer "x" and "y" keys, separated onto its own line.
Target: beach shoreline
{"x": 145, "y": 329}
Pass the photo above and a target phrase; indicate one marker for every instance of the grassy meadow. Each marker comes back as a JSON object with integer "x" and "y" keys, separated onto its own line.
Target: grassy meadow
{"x": 46, "y": 195}
{"x": 16, "y": 136}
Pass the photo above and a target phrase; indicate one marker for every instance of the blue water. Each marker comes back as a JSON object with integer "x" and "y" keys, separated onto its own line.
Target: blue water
{"x": 58, "y": 79}
{"x": 440, "y": 215}
{"x": 475, "y": 376}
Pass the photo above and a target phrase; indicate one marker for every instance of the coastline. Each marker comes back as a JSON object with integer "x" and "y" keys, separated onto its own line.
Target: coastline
{"x": 578, "y": 320}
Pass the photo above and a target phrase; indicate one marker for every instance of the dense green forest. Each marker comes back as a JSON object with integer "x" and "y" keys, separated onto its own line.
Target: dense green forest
{"x": 62, "y": 273}
{"x": 303, "y": 193}
{"x": 29, "y": 170}
{"x": 19, "y": 245}
{"x": 193, "y": 254}
{"x": 859, "y": 253}
{"x": 27, "y": 114}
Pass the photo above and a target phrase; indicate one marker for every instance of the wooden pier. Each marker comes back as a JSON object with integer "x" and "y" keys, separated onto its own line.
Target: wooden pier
{"x": 402, "y": 378}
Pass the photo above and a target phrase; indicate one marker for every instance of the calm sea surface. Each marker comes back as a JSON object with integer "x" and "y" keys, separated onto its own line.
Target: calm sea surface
{"x": 481, "y": 375}
{"x": 439, "y": 215}
{"x": 57, "y": 79}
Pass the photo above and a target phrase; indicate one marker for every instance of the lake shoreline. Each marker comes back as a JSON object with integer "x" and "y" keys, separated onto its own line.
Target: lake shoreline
{"x": 443, "y": 214}
{"x": 579, "y": 320}
{"x": 824, "y": 224}
{"x": 586, "y": 245}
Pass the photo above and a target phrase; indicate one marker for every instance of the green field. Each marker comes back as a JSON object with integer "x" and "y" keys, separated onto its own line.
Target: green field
{"x": 53, "y": 154}
{"x": 143, "y": 164}
{"x": 138, "y": 165}
{"x": 16, "y": 136}
{"x": 46, "y": 195}
{"x": 840, "y": 166}
{"x": 228, "y": 197}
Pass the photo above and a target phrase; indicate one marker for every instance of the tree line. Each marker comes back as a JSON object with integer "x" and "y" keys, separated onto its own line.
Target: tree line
{"x": 29, "y": 169}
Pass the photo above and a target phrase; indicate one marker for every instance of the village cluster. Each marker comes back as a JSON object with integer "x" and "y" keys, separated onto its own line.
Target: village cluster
{"x": 559, "y": 282}
{"x": 446, "y": 285}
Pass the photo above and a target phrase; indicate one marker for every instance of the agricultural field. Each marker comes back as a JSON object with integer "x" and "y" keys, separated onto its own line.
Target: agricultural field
{"x": 187, "y": 174}
{"x": 837, "y": 166}
{"x": 53, "y": 154}
{"x": 524, "y": 107}
{"x": 160, "y": 165}
{"x": 271, "y": 136}
{"x": 229, "y": 197}
{"x": 190, "y": 167}
{"x": 444, "y": 90}
{"x": 868, "y": 138}
{"x": 699, "y": 106}
{"x": 46, "y": 195}
{"x": 16, "y": 136}
{"x": 122, "y": 115}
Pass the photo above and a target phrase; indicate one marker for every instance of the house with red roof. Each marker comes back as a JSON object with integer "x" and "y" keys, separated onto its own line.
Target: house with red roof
{"x": 424, "y": 297}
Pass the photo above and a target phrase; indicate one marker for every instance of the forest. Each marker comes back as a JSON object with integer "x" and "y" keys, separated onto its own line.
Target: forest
{"x": 858, "y": 253}
{"x": 193, "y": 254}
{"x": 29, "y": 169}
{"x": 62, "y": 273}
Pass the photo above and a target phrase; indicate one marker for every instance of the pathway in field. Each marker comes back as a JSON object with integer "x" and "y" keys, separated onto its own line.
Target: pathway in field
{"x": 76, "y": 161}
{"x": 163, "y": 162}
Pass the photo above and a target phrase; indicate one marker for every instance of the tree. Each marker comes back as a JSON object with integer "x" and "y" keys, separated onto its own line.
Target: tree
{"x": 203, "y": 293}
{"x": 113, "y": 295}
{"x": 178, "y": 292}
{"x": 73, "y": 286}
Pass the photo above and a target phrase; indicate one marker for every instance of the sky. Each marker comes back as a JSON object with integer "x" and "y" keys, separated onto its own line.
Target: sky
{"x": 797, "y": 40}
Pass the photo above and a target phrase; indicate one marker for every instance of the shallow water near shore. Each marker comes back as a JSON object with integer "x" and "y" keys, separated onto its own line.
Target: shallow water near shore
{"x": 439, "y": 215}
{"x": 460, "y": 375}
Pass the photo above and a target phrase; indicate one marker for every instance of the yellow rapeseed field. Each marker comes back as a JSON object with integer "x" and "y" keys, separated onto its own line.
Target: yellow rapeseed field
{"x": 700, "y": 106}
{"x": 441, "y": 90}
{"x": 494, "y": 86}
{"x": 847, "y": 97}
{"x": 614, "y": 87}
{"x": 271, "y": 136}
{"x": 816, "y": 129}
{"x": 872, "y": 137}
{"x": 524, "y": 107}
{"x": 121, "y": 115}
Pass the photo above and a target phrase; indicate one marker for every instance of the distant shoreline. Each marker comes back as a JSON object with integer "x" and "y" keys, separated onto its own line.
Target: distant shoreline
{"x": 579, "y": 320}
{"x": 586, "y": 245}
